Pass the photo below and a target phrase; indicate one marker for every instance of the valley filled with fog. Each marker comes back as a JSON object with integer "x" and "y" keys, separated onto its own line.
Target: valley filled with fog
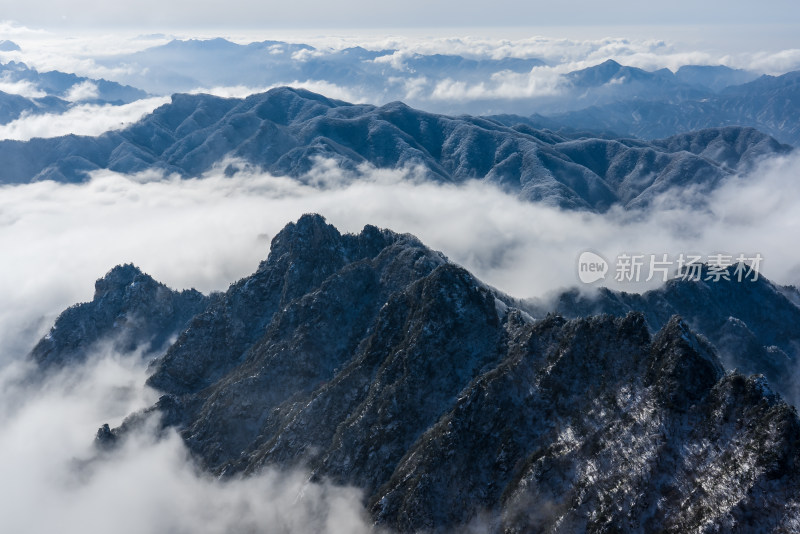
{"x": 510, "y": 156}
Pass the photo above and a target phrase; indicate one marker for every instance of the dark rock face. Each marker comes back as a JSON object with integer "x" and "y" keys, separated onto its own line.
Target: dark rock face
{"x": 755, "y": 326}
{"x": 590, "y": 426}
{"x": 130, "y": 310}
{"x": 373, "y": 361}
{"x": 284, "y": 131}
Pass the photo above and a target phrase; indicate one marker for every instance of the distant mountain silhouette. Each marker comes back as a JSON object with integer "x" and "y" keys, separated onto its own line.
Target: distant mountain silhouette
{"x": 771, "y": 104}
{"x": 57, "y": 87}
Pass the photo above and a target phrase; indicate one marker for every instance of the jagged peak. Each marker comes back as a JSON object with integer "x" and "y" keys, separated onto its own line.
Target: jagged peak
{"x": 311, "y": 220}
{"x": 678, "y": 332}
{"x": 634, "y": 326}
{"x": 310, "y": 229}
{"x": 684, "y": 364}
{"x": 311, "y": 234}
{"x": 118, "y": 278}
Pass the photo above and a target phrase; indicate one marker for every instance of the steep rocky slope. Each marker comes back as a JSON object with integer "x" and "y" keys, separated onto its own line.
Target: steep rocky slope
{"x": 754, "y": 325}
{"x": 373, "y": 361}
{"x": 129, "y": 310}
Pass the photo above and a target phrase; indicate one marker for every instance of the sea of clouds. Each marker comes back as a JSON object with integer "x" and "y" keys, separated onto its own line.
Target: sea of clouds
{"x": 112, "y": 56}
{"x": 209, "y": 231}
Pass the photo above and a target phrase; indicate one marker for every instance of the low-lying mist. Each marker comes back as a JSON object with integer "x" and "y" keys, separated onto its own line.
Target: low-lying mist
{"x": 52, "y": 479}
{"x": 208, "y": 232}
{"x": 83, "y": 119}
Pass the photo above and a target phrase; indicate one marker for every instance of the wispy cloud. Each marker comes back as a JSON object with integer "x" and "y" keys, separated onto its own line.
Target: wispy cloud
{"x": 82, "y": 119}
{"x": 83, "y": 91}
{"x": 94, "y": 56}
{"x": 208, "y": 232}
{"x": 20, "y": 87}
{"x": 148, "y": 485}
{"x": 540, "y": 82}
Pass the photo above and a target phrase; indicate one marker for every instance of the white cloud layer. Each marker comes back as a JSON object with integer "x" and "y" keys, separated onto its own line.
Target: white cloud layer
{"x": 82, "y": 119}
{"x": 20, "y": 87}
{"x": 52, "y": 479}
{"x": 563, "y": 49}
{"x": 208, "y": 232}
{"x": 506, "y": 85}
{"x": 86, "y": 90}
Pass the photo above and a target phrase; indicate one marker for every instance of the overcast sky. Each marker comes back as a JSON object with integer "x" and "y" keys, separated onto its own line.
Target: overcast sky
{"x": 54, "y": 14}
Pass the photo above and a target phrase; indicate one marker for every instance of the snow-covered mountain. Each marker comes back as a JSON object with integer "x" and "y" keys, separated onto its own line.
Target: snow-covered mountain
{"x": 30, "y": 92}
{"x": 286, "y": 131}
{"x": 129, "y": 309}
{"x": 753, "y": 325}
{"x": 13, "y": 106}
{"x": 770, "y": 103}
{"x": 69, "y": 86}
{"x": 423, "y": 80}
{"x": 607, "y": 97}
{"x": 375, "y": 362}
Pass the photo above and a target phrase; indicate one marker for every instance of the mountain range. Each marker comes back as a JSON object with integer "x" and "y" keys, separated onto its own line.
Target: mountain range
{"x": 416, "y": 78}
{"x": 287, "y": 131}
{"x": 770, "y": 103}
{"x": 373, "y": 361}
{"x": 607, "y": 98}
{"x": 610, "y": 97}
{"x": 58, "y": 92}
{"x": 752, "y": 325}
{"x": 185, "y": 65}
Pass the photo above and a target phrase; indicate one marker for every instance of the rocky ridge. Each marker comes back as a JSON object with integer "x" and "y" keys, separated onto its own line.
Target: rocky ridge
{"x": 373, "y": 361}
